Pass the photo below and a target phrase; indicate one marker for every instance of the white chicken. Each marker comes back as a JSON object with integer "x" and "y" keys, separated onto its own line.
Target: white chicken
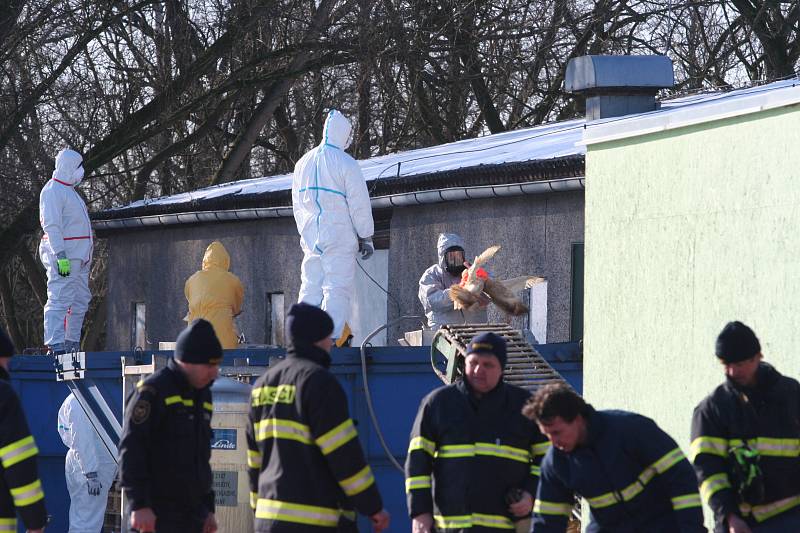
{"x": 476, "y": 286}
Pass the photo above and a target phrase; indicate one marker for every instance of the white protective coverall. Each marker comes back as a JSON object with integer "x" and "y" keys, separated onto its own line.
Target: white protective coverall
{"x": 434, "y": 290}
{"x": 65, "y": 222}
{"x": 332, "y": 211}
{"x": 86, "y": 454}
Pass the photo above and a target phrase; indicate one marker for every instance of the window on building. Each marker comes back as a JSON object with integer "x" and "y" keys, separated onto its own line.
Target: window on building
{"x": 576, "y": 305}
{"x": 276, "y": 319}
{"x": 139, "y": 325}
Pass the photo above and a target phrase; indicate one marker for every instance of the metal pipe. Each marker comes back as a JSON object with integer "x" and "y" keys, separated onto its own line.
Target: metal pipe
{"x": 367, "y": 393}
{"x": 434, "y": 196}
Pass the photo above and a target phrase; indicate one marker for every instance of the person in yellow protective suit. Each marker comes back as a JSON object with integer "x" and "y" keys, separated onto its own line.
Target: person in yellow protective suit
{"x": 216, "y": 295}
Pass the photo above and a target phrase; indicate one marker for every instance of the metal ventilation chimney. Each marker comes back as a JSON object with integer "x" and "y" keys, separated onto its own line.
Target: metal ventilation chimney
{"x": 618, "y": 85}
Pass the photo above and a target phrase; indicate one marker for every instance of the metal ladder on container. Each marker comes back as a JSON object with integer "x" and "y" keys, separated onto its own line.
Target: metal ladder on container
{"x": 525, "y": 368}
{"x": 71, "y": 369}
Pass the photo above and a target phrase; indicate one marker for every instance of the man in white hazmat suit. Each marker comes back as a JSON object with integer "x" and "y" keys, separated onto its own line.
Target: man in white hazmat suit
{"x": 66, "y": 253}
{"x": 334, "y": 217}
{"x": 435, "y": 283}
{"x": 89, "y": 468}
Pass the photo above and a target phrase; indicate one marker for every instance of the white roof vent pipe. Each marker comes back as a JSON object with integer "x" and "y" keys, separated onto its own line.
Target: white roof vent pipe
{"x": 618, "y": 85}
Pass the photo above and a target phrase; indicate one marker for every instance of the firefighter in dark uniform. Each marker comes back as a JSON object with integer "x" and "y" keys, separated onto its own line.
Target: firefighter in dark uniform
{"x": 633, "y": 475}
{"x": 473, "y": 459}
{"x": 746, "y": 441}
{"x": 20, "y": 489}
{"x": 166, "y": 439}
{"x": 307, "y": 469}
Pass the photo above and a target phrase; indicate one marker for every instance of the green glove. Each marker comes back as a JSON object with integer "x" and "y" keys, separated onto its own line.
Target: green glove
{"x": 63, "y": 264}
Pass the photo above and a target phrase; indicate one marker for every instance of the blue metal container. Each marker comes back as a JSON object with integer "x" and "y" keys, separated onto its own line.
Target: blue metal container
{"x": 398, "y": 379}
{"x": 34, "y": 379}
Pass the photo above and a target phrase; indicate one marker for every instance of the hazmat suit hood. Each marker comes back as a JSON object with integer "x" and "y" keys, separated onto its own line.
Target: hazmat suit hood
{"x": 68, "y": 169}
{"x": 337, "y": 130}
{"x": 216, "y": 256}
{"x": 447, "y": 240}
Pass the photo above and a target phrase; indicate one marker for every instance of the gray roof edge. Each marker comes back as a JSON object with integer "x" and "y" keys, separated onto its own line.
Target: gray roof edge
{"x": 432, "y": 196}
{"x": 476, "y": 175}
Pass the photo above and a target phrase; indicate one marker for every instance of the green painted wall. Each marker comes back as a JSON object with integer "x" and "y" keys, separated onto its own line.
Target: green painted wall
{"x": 686, "y": 230}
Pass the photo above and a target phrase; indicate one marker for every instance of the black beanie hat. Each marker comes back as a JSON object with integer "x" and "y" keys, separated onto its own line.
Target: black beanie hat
{"x": 736, "y": 343}
{"x": 491, "y": 344}
{"x": 198, "y": 344}
{"x": 307, "y": 324}
{"x": 6, "y": 346}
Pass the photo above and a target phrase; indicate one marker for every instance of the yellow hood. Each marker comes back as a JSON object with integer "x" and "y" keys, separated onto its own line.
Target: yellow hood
{"x": 216, "y": 256}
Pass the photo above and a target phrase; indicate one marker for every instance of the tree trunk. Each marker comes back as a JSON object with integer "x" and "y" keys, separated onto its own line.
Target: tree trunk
{"x": 10, "y": 316}
{"x": 275, "y": 94}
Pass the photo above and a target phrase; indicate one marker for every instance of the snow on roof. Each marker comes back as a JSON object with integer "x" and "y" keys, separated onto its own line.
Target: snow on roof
{"x": 696, "y": 109}
{"x": 542, "y": 142}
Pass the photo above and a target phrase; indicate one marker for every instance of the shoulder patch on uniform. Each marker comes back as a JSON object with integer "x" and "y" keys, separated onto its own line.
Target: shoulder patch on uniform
{"x": 141, "y": 411}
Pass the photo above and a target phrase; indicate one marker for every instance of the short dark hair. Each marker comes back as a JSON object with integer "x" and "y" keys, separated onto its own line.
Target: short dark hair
{"x": 555, "y": 400}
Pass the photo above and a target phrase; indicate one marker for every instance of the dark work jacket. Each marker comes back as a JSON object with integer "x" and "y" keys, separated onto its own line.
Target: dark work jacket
{"x": 466, "y": 454}
{"x": 20, "y": 488}
{"x": 768, "y": 418}
{"x": 634, "y": 476}
{"x": 307, "y": 470}
{"x": 166, "y": 447}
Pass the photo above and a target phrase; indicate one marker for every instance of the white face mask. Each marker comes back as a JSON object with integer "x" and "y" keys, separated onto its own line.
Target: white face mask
{"x": 349, "y": 139}
{"x": 77, "y": 176}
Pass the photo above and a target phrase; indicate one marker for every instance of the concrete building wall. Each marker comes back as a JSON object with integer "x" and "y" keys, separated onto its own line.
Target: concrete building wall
{"x": 535, "y": 232}
{"x": 151, "y": 266}
{"x": 685, "y": 231}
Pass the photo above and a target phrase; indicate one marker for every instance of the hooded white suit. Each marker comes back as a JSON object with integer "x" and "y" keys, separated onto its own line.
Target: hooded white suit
{"x": 86, "y": 454}
{"x": 65, "y": 222}
{"x": 332, "y": 211}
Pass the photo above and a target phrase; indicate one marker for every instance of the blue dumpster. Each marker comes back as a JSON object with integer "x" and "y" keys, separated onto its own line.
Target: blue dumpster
{"x": 398, "y": 379}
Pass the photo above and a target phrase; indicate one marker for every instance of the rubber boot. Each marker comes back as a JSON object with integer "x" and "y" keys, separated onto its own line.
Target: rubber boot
{"x": 346, "y": 338}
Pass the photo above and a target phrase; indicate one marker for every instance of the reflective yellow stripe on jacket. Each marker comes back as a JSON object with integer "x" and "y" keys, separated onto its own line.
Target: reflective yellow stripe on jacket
{"x": 540, "y": 448}
{"x": 666, "y": 462}
{"x": 358, "y": 482}
{"x": 453, "y": 451}
{"x": 253, "y": 459}
{"x": 27, "y": 494}
{"x": 18, "y": 451}
{"x": 188, "y": 402}
{"x": 276, "y": 428}
{"x": 297, "y": 513}
{"x": 8, "y": 524}
{"x": 492, "y": 520}
{"x": 421, "y": 443}
{"x": 417, "y": 482}
{"x": 452, "y": 522}
{"x": 766, "y": 446}
{"x": 552, "y": 508}
{"x": 713, "y": 484}
{"x": 337, "y": 437}
{"x": 768, "y": 510}
{"x": 475, "y": 519}
{"x": 686, "y": 501}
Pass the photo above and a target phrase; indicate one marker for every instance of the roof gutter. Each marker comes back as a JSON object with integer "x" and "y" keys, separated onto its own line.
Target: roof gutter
{"x": 434, "y": 196}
